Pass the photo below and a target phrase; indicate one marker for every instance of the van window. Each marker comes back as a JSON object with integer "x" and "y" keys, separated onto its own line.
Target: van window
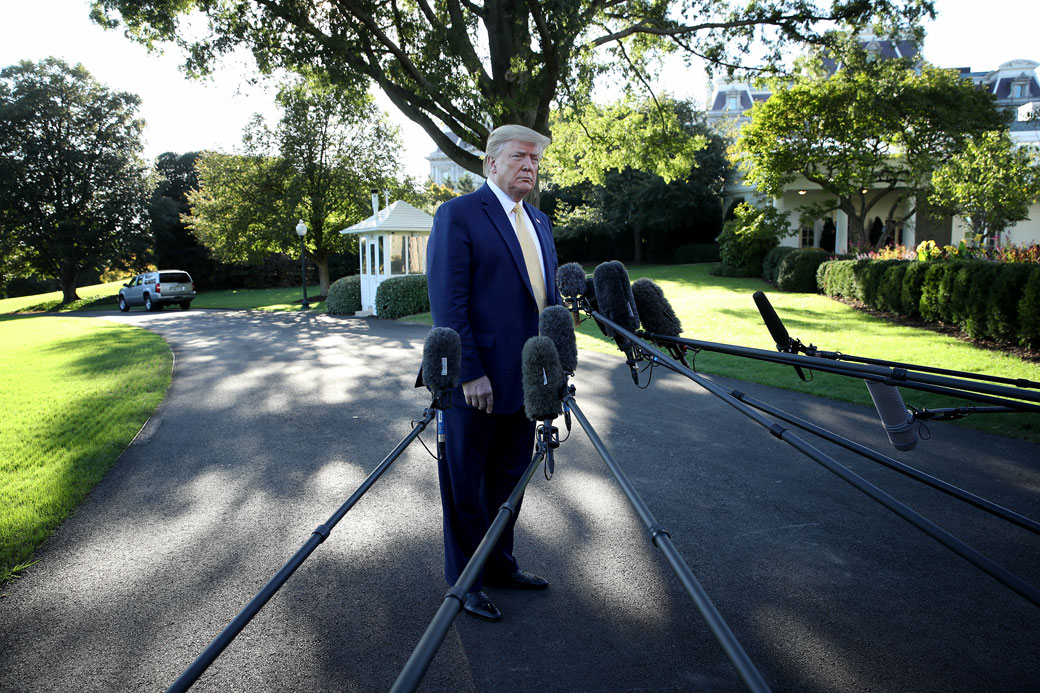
{"x": 174, "y": 278}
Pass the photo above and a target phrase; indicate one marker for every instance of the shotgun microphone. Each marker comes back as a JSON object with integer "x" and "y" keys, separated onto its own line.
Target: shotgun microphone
{"x": 555, "y": 322}
{"x": 543, "y": 379}
{"x": 570, "y": 280}
{"x": 898, "y": 422}
{"x": 655, "y": 311}
{"x": 776, "y": 328}
{"x": 614, "y": 296}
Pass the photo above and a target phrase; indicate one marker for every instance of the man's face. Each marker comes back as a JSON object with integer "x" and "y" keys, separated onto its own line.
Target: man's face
{"x": 515, "y": 169}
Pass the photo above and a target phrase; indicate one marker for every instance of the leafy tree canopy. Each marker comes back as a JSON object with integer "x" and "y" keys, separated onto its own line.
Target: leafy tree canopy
{"x": 328, "y": 150}
{"x": 991, "y": 182}
{"x": 872, "y": 131}
{"x": 470, "y": 66}
{"x": 73, "y": 188}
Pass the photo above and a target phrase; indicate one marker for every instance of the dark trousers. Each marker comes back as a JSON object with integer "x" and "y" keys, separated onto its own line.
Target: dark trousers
{"x": 485, "y": 457}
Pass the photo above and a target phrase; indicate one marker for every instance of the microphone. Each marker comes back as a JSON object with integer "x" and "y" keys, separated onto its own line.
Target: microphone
{"x": 776, "y": 328}
{"x": 570, "y": 280}
{"x": 898, "y": 422}
{"x": 614, "y": 296}
{"x": 555, "y": 323}
{"x": 772, "y": 320}
{"x": 442, "y": 359}
{"x": 655, "y": 311}
{"x": 543, "y": 379}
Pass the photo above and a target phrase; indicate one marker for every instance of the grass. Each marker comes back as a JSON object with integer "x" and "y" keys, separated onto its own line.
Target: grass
{"x": 75, "y": 392}
{"x": 103, "y": 297}
{"x": 719, "y": 309}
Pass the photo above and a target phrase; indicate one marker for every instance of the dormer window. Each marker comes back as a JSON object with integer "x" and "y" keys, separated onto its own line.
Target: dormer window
{"x": 733, "y": 101}
{"x": 1019, "y": 89}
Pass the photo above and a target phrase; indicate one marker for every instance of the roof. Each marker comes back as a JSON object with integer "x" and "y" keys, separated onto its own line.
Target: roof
{"x": 400, "y": 216}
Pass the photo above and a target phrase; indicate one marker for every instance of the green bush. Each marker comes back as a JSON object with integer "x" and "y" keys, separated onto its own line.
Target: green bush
{"x": 1004, "y": 297}
{"x": 982, "y": 275}
{"x": 869, "y": 278}
{"x": 344, "y": 296}
{"x": 929, "y": 303}
{"x": 913, "y": 282}
{"x": 797, "y": 271}
{"x": 836, "y": 278}
{"x": 890, "y": 292}
{"x": 772, "y": 260}
{"x": 1029, "y": 311}
{"x": 695, "y": 253}
{"x": 751, "y": 234}
{"x": 400, "y": 296}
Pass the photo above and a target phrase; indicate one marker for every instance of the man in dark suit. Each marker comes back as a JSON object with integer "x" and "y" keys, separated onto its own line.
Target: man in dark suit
{"x": 491, "y": 268}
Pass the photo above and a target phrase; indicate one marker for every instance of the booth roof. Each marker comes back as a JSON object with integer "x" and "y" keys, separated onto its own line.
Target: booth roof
{"x": 400, "y": 216}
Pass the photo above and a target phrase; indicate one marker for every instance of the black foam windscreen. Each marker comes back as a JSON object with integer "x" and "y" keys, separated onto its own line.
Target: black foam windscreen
{"x": 772, "y": 321}
{"x": 442, "y": 359}
{"x": 556, "y": 323}
{"x": 655, "y": 312}
{"x": 542, "y": 379}
{"x": 570, "y": 280}
{"x": 614, "y": 295}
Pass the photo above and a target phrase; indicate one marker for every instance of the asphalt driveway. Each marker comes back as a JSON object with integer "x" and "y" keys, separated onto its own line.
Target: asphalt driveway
{"x": 272, "y": 420}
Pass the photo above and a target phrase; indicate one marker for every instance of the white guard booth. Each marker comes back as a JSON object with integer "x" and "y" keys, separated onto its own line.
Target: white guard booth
{"x": 391, "y": 243}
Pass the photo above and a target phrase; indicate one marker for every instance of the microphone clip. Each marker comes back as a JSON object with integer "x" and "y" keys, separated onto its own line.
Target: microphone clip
{"x": 548, "y": 439}
{"x": 441, "y": 399}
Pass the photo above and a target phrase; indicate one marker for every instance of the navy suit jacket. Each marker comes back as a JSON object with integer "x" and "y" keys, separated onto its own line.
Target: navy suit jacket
{"x": 479, "y": 287}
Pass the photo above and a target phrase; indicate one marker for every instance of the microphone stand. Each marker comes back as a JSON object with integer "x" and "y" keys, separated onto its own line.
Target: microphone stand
{"x": 320, "y": 534}
{"x": 419, "y": 662}
{"x": 980, "y": 561}
{"x": 941, "y": 385}
{"x": 660, "y": 538}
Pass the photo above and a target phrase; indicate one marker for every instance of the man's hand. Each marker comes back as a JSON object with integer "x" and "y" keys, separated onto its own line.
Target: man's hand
{"x": 478, "y": 394}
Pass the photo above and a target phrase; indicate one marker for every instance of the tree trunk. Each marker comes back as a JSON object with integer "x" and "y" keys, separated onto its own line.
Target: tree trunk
{"x": 68, "y": 278}
{"x": 323, "y": 274}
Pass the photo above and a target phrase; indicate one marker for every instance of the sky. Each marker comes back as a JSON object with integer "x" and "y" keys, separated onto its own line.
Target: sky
{"x": 183, "y": 115}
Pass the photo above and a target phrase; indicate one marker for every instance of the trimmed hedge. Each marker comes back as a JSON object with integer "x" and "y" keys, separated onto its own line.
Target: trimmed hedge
{"x": 344, "y": 296}
{"x": 771, "y": 263}
{"x": 797, "y": 271}
{"x": 400, "y": 296}
{"x": 987, "y": 300}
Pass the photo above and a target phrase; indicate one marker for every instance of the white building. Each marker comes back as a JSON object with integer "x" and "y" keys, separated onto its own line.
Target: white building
{"x": 1015, "y": 87}
{"x": 444, "y": 171}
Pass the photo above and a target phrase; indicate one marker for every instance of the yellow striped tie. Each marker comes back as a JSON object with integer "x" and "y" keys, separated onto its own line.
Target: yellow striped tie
{"x": 534, "y": 272}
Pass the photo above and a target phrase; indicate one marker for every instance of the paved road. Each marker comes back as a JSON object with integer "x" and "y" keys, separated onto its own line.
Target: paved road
{"x": 272, "y": 420}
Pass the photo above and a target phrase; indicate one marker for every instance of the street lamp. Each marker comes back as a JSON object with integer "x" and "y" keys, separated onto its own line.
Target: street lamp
{"x": 301, "y": 231}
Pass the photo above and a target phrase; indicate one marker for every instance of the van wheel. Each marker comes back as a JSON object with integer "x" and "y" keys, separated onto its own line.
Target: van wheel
{"x": 122, "y": 303}
{"x": 148, "y": 305}
{"x": 185, "y": 305}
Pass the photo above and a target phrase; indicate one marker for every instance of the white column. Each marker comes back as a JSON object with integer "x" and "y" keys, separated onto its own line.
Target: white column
{"x": 817, "y": 232}
{"x": 910, "y": 228}
{"x": 841, "y": 232}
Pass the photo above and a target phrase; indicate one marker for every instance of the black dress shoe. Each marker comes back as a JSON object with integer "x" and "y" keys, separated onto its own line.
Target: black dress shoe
{"x": 478, "y": 604}
{"x": 520, "y": 580}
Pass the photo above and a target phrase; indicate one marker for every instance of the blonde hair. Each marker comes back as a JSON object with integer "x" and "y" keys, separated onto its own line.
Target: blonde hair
{"x": 507, "y": 133}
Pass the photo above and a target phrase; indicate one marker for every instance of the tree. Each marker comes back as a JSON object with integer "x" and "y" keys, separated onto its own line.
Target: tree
{"x": 871, "y": 132}
{"x": 174, "y": 244}
{"x": 73, "y": 188}
{"x": 991, "y": 183}
{"x": 328, "y": 150}
{"x": 470, "y": 66}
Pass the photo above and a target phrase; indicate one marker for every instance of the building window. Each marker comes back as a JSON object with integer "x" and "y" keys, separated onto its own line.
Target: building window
{"x": 733, "y": 101}
{"x": 808, "y": 238}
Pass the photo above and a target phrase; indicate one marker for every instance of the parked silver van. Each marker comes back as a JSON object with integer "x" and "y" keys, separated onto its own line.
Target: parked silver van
{"x": 154, "y": 290}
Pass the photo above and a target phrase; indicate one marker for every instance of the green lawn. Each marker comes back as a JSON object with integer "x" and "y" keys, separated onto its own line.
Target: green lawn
{"x": 719, "y": 309}
{"x": 103, "y": 297}
{"x": 75, "y": 392}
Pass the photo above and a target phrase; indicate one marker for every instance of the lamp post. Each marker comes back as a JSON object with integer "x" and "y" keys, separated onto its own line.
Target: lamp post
{"x": 301, "y": 231}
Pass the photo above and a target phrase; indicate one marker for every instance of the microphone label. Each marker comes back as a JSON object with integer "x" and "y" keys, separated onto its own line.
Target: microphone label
{"x": 444, "y": 365}
{"x": 545, "y": 377}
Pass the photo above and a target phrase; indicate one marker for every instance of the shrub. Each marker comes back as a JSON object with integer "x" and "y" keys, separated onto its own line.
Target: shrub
{"x": 772, "y": 260}
{"x": 890, "y": 292}
{"x": 696, "y": 252}
{"x": 751, "y": 234}
{"x": 869, "y": 279}
{"x": 400, "y": 296}
{"x": 837, "y": 278}
{"x": 913, "y": 282}
{"x": 1004, "y": 297}
{"x": 976, "y": 313}
{"x": 1029, "y": 311}
{"x": 797, "y": 270}
{"x": 344, "y": 296}
{"x": 929, "y": 303}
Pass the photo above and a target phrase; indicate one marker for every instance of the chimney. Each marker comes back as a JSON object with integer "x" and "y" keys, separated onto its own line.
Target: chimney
{"x": 386, "y": 198}
{"x": 375, "y": 202}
